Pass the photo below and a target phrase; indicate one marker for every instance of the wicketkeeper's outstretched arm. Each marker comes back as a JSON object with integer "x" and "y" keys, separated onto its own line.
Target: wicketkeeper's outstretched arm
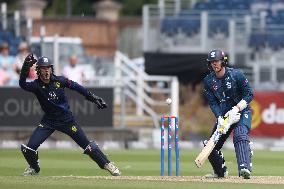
{"x": 101, "y": 104}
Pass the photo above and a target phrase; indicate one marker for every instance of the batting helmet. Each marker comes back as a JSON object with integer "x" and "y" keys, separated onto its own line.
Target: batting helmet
{"x": 217, "y": 55}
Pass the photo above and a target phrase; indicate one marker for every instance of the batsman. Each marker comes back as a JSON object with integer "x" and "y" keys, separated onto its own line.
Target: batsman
{"x": 49, "y": 90}
{"x": 228, "y": 93}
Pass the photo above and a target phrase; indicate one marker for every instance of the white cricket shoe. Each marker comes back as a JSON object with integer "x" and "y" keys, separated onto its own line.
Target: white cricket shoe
{"x": 214, "y": 175}
{"x": 29, "y": 172}
{"x": 114, "y": 171}
{"x": 245, "y": 173}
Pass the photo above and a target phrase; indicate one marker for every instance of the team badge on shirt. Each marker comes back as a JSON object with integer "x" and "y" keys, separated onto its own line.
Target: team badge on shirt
{"x": 215, "y": 87}
{"x": 229, "y": 85}
{"x": 57, "y": 84}
{"x": 74, "y": 129}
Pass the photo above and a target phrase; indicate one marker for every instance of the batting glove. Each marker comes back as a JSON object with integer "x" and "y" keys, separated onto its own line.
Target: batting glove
{"x": 233, "y": 111}
{"x": 234, "y": 118}
{"x": 101, "y": 104}
{"x": 223, "y": 125}
{"x": 234, "y": 115}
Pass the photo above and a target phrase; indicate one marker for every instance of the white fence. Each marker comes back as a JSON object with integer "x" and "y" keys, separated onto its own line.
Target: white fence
{"x": 130, "y": 82}
{"x": 134, "y": 83}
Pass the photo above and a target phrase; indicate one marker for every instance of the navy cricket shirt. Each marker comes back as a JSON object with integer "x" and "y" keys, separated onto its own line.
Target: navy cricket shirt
{"x": 51, "y": 96}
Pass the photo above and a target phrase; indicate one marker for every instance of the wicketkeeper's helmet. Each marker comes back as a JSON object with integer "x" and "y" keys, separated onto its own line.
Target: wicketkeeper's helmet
{"x": 43, "y": 62}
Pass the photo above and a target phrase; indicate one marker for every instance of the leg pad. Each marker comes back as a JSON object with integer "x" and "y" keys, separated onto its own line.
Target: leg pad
{"x": 31, "y": 157}
{"x": 96, "y": 154}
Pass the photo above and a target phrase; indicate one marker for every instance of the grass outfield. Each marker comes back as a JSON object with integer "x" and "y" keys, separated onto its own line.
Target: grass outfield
{"x": 72, "y": 169}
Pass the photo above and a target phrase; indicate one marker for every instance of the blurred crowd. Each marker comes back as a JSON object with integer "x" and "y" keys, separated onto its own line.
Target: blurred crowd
{"x": 10, "y": 66}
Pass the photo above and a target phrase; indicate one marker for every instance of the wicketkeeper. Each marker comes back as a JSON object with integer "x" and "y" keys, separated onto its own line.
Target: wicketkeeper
{"x": 229, "y": 94}
{"x": 49, "y": 90}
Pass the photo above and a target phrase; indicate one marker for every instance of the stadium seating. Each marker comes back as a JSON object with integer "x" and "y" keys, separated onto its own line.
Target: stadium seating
{"x": 169, "y": 26}
{"x": 257, "y": 40}
{"x": 189, "y": 21}
{"x": 275, "y": 40}
{"x": 11, "y": 39}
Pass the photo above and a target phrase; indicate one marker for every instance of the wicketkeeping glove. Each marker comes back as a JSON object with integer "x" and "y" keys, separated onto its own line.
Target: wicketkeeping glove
{"x": 101, "y": 104}
{"x": 28, "y": 62}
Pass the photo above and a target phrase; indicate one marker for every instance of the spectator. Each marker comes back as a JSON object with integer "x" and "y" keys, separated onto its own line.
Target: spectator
{"x": 72, "y": 71}
{"x": 18, "y": 63}
{"x": 4, "y": 77}
{"x": 6, "y": 64}
{"x": 6, "y": 60}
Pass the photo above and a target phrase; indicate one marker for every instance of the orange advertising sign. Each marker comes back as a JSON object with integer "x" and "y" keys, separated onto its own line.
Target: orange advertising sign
{"x": 268, "y": 114}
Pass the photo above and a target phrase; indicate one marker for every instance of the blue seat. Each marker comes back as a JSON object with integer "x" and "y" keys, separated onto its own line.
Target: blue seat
{"x": 218, "y": 25}
{"x": 275, "y": 40}
{"x": 271, "y": 20}
{"x": 239, "y": 1}
{"x": 201, "y": 6}
{"x": 169, "y": 26}
{"x": 189, "y": 26}
{"x": 241, "y": 6}
{"x": 280, "y": 15}
{"x": 257, "y": 40}
{"x": 218, "y": 1}
{"x": 220, "y": 6}
{"x": 7, "y": 35}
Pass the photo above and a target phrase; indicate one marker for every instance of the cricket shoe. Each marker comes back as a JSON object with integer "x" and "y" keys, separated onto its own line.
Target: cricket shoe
{"x": 29, "y": 172}
{"x": 214, "y": 175}
{"x": 245, "y": 173}
{"x": 114, "y": 171}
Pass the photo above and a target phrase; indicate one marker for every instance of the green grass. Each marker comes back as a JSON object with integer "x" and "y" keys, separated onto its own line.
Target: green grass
{"x": 131, "y": 163}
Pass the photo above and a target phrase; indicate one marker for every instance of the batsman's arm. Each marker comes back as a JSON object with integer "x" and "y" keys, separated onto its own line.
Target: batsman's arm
{"x": 212, "y": 100}
{"x": 28, "y": 86}
{"x": 246, "y": 90}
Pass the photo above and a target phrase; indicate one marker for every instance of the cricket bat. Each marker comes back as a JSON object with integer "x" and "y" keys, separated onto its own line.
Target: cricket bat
{"x": 206, "y": 151}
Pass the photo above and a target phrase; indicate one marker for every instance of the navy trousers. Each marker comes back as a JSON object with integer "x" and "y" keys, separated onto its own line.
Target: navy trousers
{"x": 47, "y": 127}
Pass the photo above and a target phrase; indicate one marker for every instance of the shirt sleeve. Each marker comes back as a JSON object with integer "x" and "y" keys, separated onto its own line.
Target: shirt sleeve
{"x": 244, "y": 86}
{"x": 75, "y": 86}
{"x": 28, "y": 86}
{"x": 212, "y": 100}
